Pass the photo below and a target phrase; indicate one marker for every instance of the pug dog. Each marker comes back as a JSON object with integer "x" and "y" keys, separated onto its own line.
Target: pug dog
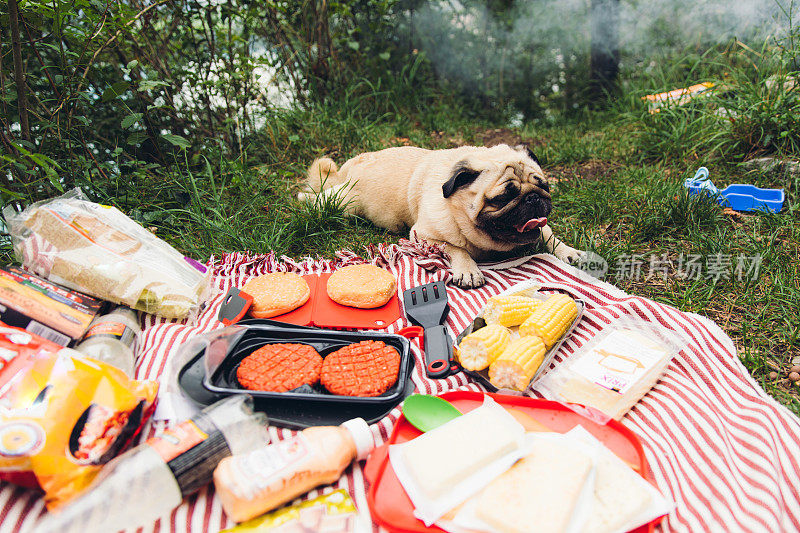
{"x": 474, "y": 201}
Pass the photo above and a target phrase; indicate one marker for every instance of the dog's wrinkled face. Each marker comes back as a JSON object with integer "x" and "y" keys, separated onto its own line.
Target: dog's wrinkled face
{"x": 504, "y": 192}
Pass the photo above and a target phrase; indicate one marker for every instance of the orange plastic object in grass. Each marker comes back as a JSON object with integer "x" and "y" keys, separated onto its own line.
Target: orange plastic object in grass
{"x": 280, "y": 368}
{"x": 367, "y": 368}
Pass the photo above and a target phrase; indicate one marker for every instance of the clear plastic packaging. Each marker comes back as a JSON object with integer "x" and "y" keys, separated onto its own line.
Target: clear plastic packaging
{"x": 613, "y": 370}
{"x": 451, "y": 462}
{"x": 333, "y": 512}
{"x": 613, "y": 497}
{"x": 112, "y": 338}
{"x": 98, "y": 250}
{"x": 150, "y": 480}
{"x": 172, "y": 404}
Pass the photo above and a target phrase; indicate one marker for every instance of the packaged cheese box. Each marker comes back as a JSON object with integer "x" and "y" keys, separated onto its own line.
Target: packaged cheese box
{"x": 614, "y": 370}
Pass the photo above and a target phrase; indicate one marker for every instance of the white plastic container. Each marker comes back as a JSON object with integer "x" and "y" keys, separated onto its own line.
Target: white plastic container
{"x": 112, "y": 338}
{"x": 149, "y": 481}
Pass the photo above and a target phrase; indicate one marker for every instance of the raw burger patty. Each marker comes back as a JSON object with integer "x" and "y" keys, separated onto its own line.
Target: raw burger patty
{"x": 280, "y": 368}
{"x": 367, "y": 368}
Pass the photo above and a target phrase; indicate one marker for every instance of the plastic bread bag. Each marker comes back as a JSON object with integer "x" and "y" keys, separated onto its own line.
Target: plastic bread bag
{"x": 98, "y": 250}
{"x": 612, "y": 371}
{"x": 63, "y": 415}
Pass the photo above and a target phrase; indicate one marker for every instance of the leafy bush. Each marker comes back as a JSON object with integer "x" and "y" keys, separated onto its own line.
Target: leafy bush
{"x": 753, "y": 110}
{"x": 120, "y": 90}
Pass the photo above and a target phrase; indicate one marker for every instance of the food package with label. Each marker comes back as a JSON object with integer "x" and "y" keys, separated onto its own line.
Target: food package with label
{"x": 63, "y": 415}
{"x": 334, "y": 512}
{"x": 16, "y": 341}
{"x": 613, "y": 370}
{"x": 58, "y": 314}
{"x": 98, "y": 250}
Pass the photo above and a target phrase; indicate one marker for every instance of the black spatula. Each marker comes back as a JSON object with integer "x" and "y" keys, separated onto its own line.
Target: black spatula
{"x": 426, "y": 305}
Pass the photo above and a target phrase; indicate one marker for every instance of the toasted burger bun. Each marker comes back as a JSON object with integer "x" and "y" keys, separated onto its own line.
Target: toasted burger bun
{"x": 276, "y": 293}
{"x": 364, "y": 286}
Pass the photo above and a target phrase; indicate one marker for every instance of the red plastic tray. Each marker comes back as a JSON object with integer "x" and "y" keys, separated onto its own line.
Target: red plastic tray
{"x": 391, "y": 507}
{"x": 323, "y": 312}
{"x": 329, "y": 314}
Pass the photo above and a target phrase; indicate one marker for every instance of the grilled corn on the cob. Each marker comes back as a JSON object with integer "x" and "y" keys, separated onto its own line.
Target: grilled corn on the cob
{"x": 509, "y": 310}
{"x": 551, "y": 319}
{"x": 516, "y": 366}
{"x": 478, "y": 349}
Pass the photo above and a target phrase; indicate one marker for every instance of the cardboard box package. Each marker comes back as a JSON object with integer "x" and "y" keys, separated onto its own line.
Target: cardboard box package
{"x": 54, "y": 313}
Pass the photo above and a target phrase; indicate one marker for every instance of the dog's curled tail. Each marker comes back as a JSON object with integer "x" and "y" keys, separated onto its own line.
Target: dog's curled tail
{"x": 323, "y": 172}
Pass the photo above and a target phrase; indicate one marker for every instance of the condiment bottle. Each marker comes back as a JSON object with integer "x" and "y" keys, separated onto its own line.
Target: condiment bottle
{"x": 111, "y": 338}
{"x": 256, "y": 482}
{"x": 150, "y": 480}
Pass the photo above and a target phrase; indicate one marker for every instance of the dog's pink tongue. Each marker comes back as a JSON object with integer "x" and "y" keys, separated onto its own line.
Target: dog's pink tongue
{"x": 531, "y": 224}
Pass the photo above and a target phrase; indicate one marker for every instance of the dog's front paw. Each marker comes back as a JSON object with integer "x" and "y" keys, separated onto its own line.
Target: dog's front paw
{"x": 570, "y": 255}
{"x": 469, "y": 279}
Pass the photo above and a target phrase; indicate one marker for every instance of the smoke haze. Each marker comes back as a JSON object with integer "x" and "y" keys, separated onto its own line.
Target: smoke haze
{"x": 548, "y": 40}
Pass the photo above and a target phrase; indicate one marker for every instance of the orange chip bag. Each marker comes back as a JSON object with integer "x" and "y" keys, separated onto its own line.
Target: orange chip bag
{"x": 63, "y": 415}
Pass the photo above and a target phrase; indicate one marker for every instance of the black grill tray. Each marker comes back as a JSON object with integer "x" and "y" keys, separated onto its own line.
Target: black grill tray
{"x": 325, "y": 342}
{"x": 298, "y": 409}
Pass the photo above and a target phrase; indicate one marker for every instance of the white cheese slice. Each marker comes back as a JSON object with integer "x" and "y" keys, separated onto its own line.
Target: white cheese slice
{"x": 440, "y": 459}
{"x": 618, "y": 496}
{"x": 539, "y": 493}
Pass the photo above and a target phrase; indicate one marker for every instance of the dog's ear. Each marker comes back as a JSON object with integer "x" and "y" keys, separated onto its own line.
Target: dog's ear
{"x": 526, "y": 149}
{"x": 462, "y": 176}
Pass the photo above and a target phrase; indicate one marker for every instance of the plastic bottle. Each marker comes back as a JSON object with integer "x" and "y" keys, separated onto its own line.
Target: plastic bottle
{"x": 111, "y": 338}
{"x": 254, "y": 483}
{"x": 150, "y": 480}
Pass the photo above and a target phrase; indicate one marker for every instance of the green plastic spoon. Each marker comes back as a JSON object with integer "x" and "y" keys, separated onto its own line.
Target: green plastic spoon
{"x": 428, "y": 412}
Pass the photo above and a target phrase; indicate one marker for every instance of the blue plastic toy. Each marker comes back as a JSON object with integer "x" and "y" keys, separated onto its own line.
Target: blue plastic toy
{"x": 737, "y": 196}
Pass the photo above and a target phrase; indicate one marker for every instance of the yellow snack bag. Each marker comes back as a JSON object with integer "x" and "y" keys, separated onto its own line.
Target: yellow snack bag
{"x": 63, "y": 415}
{"x": 334, "y": 512}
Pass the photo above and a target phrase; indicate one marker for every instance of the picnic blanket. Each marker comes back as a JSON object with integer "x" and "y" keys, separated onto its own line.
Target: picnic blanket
{"x": 720, "y": 447}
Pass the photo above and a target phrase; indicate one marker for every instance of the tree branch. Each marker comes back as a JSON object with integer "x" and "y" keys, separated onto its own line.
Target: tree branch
{"x": 39, "y": 56}
{"x": 19, "y": 73}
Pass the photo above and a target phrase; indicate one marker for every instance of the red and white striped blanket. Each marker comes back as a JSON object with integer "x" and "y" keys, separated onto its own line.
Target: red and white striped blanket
{"x": 718, "y": 445}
